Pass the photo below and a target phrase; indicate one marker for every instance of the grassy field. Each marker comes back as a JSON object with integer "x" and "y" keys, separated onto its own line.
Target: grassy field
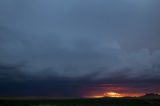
{"x": 81, "y": 102}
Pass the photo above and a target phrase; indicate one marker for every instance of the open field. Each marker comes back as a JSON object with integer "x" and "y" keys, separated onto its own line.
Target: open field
{"x": 81, "y": 102}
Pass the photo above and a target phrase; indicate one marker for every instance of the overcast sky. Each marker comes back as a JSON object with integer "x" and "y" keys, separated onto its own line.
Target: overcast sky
{"x": 78, "y": 41}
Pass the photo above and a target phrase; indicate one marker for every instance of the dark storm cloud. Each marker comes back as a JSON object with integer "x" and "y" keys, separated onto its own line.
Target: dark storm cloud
{"x": 104, "y": 40}
{"x": 55, "y": 87}
{"x": 9, "y": 72}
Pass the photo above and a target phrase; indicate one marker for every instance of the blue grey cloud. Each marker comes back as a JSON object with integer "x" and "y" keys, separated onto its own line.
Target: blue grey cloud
{"x": 77, "y": 38}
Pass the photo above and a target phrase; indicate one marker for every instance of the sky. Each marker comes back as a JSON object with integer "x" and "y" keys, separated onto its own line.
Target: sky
{"x": 78, "y": 48}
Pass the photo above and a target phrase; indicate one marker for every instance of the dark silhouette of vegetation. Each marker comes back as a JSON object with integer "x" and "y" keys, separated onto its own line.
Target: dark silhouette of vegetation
{"x": 82, "y": 102}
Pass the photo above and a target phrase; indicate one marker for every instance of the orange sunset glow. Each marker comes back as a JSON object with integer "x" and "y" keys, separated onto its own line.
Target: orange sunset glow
{"x": 111, "y": 90}
{"x": 98, "y": 93}
{"x": 118, "y": 95}
{"x": 109, "y": 94}
{"x": 112, "y": 94}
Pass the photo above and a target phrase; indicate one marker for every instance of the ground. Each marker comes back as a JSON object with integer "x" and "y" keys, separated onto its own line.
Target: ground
{"x": 81, "y": 102}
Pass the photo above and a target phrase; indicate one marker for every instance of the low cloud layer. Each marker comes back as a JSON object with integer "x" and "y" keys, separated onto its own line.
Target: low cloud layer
{"x": 104, "y": 40}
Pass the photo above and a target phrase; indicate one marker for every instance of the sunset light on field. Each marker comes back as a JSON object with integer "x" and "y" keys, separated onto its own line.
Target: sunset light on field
{"x": 98, "y": 96}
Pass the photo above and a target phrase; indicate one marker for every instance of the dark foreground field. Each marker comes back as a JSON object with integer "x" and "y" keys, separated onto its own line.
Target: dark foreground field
{"x": 81, "y": 102}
